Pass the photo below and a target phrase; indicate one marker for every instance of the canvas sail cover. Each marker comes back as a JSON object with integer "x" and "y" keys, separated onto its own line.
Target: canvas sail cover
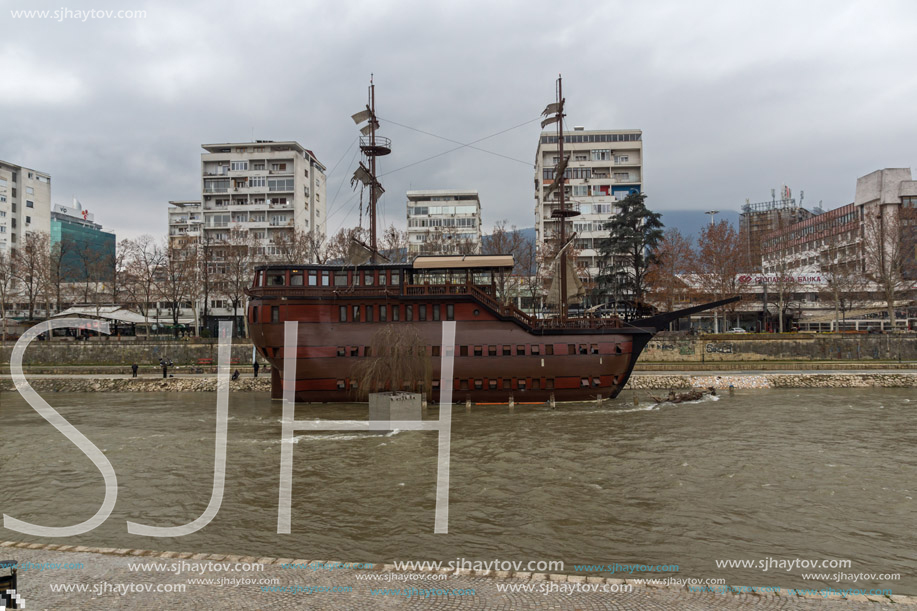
{"x": 361, "y": 116}
{"x": 559, "y": 170}
{"x": 575, "y": 289}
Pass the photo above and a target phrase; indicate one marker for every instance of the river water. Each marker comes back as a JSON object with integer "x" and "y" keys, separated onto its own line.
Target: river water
{"x": 776, "y": 474}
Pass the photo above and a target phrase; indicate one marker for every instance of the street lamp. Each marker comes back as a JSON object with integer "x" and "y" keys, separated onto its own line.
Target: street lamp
{"x": 712, "y": 214}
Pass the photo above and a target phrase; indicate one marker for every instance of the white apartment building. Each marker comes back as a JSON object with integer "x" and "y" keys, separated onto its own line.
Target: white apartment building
{"x": 605, "y": 166}
{"x": 263, "y": 187}
{"x": 25, "y": 204}
{"x": 441, "y": 218}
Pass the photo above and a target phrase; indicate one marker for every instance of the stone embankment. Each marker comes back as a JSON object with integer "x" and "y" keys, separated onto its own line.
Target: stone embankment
{"x": 637, "y": 382}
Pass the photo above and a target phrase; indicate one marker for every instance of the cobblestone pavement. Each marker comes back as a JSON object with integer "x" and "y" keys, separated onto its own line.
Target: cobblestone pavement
{"x": 104, "y": 576}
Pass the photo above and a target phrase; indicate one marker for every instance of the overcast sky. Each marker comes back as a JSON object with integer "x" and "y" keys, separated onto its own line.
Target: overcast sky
{"x": 734, "y": 98}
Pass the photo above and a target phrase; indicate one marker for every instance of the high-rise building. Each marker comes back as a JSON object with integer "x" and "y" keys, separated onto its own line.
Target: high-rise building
{"x": 604, "y": 167}
{"x": 444, "y": 221}
{"x": 762, "y": 218}
{"x": 25, "y": 204}
{"x": 87, "y": 252}
{"x": 262, "y": 187}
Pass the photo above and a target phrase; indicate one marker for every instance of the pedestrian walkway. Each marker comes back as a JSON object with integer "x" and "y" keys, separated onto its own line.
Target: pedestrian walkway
{"x": 92, "y": 578}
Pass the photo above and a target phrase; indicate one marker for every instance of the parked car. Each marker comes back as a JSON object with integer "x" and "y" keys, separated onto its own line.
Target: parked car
{"x": 737, "y": 330}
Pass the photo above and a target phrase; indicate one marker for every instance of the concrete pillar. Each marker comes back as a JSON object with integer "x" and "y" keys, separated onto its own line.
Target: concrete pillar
{"x": 598, "y": 400}
{"x": 551, "y": 402}
{"x": 636, "y": 400}
{"x": 468, "y": 405}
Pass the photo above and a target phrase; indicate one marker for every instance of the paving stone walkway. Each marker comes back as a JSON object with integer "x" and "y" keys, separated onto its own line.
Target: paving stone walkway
{"x": 104, "y": 580}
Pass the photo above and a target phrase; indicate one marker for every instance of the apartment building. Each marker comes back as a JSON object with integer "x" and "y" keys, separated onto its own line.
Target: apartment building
{"x": 262, "y": 187}
{"x": 87, "y": 251}
{"x": 763, "y": 218}
{"x": 604, "y": 167}
{"x": 444, "y": 221}
{"x": 25, "y": 204}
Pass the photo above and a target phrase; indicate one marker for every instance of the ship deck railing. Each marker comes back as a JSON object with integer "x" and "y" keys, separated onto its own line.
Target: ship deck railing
{"x": 479, "y": 294}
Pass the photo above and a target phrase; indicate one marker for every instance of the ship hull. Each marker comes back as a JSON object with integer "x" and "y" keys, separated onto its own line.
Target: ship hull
{"x": 495, "y": 360}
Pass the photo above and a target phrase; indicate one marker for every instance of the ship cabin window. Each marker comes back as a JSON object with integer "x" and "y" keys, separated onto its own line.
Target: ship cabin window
{"x": 478, "y": 384}
{"x": 341, "y": 385}
{"x": 355, "y": 278}
{"x": 520, "y": 350}
{"x": 582, "y": 348}
{"x": 536, "y": 349}
{"x": 584, "y": 382}
{"x": 536, "y": 383}
{"x": 483, "y": 278}
{"x": 571, "y": 348}
{"x": 296, "y": 278}
{"x": 617, "y": 348}
{"x": 492, "y": 384}
{"x": 593, "y": 348}
{"x": 396, "y": 278}
{"x": 507, "y": 350}
{"x": 275, "y": 314}
{"x": 356, "y": 313}
{"x": 354, "y": 351}
{"x": 422, "y": 312}
{"x": 383, "y": 313}
{"x": 396, "y": 312}
{"x": 491, "y": 351}
{"x": 368, "y": 278}
{"x": 382, "y": 277}
{"x": 463, "y": 350}
{"x": 369, "y": 313}
{"x": 549, "y": 349}
{"x": 326, "y": 278}
{"x": 521, "y": 385}
{"x": 549, "y": 384}
{"x": 275, "y": 279}
{"x": 340, "y": 278}
{"x": 596, "y": 381}
{"x": 434, "y": 384}
{"x": 353, "y": 385}
{"x": 343, "y": 313}
{"x": 313, "y": 277}
{"x": 408, "y": 313}
{"x": 342, "y": 351}
{"x": 507, "y": 384}
{"x": 478, "y": 351}
{"x": 258, "y": 279}
{"x": 436, "y": 311}
{"x": 367, "y": 350}
{"x": 463, "y": 384}
{"x": 450, "y": 312}
{"x": 434, "y": 350}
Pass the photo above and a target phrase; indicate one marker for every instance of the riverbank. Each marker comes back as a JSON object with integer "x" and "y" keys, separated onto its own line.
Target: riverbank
{"x": 638, "y": 381}
{"x": 109, "y": 578}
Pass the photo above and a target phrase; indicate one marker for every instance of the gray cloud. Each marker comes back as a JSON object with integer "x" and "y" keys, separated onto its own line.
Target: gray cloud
{"x": 733, "y": 98}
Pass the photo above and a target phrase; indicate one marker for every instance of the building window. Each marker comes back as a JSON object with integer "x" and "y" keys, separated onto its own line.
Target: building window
{"x": 278, "y": 167}
{"x": 29, "y": 204}
{"x": 450, "y": 312}
{"x": 238, "y": 166}
{"x": 340, "y": 278}
{"x": 28, "y": 220}
{"x": 409, "y": 313}
{"x": 29, "y": 191}
{"x": 313, "y": 278}
{"x": 383, "y": 313}
{"x": 369, "y": 313}
{"x": 436, "y": 311}
{"x": 326, "y": 279}
{"x": 422, "y": 312}
{"x": 396, "y": 311}
{"x": 343, "y": 313}
{"x": 356, "y": 313}
{"x": 368, "y": 278}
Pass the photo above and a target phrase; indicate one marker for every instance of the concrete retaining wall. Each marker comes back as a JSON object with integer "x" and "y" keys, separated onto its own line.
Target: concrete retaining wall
{"x": 786, "y": 347}
{"x": 123, "y": 352}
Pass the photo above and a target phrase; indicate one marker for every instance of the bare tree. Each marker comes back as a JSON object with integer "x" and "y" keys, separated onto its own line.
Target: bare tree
{"x": 844, "y": 285}
{"x": 888, "y": 249}
{"x": 504, "y": 241}
{"x": 718, "y": 264}
{"x": 234, "y": 260}
{"x": 30, "y": 265}
{"x": 395, "y": 244}
{"x": 339, "y": 246}
{"x": 398, "y": 359}
{"x": 7, "y": 290}
{"x": 176, "y": 278}
{"x": 784, "y": 292}
{"x": 144, "y": 258}
{"x": 675, "y": 260}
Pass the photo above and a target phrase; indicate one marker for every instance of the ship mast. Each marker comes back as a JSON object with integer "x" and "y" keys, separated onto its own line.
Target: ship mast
{"x": 555, "y": 114}
{"x": 372, "y": 146}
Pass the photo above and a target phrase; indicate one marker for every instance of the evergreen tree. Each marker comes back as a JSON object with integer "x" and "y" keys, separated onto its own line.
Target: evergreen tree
{"x": 629, "y": 251}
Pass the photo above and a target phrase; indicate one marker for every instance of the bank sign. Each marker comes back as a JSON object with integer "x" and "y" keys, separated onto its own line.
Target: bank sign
{"x": 761, "y": 279}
